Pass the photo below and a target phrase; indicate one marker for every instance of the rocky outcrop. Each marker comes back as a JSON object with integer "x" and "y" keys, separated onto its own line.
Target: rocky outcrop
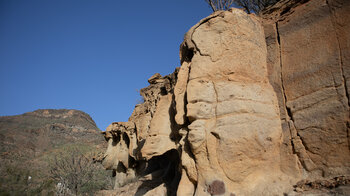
{"x": 307, "y": 52}
{"x": 234, "y": 131}
{"x": 258, "y": 104}
{"x": 145, "y": 148}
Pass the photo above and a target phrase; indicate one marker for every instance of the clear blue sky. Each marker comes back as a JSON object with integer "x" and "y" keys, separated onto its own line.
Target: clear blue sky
{"x": 90, "y": 55}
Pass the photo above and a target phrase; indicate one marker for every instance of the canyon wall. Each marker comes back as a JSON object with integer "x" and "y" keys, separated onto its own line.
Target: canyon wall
{"x": 258, "y": 104}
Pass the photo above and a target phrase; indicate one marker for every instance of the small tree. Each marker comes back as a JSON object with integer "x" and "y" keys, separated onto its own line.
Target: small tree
{"x": 254, "y": 5}
{"x": 72, "y": 170}
{"x": 248, "y": 5}
{"x": 220, "y": 4}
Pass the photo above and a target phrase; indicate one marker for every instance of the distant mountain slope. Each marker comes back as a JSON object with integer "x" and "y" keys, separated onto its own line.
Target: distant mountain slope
{"x": 29, "y": 140}
{"x": 41, "y": 130}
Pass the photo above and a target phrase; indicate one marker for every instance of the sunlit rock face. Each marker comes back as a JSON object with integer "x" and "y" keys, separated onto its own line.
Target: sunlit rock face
{"x": 121, "y": 152}
{"x": 143, "y": 152}
{"x": 234, "y": 129}
{"x": 253, "y": 109}
{"x": 308, "y": 65}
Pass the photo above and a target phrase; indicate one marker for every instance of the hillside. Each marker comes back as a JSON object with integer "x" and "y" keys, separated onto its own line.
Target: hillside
{"x": 29, "y": 141}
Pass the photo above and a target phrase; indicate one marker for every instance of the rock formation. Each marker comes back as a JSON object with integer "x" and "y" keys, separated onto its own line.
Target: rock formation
{"x": 308, "y": 48}
{"x": 258, "y": 104}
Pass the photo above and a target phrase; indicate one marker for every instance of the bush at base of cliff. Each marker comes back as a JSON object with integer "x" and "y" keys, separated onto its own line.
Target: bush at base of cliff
{"x": 72, "y": 167}
{"x": 23, "y": 175}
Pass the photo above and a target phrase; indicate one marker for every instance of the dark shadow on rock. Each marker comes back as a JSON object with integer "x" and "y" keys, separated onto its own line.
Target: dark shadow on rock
{"x": 163, "y": 169}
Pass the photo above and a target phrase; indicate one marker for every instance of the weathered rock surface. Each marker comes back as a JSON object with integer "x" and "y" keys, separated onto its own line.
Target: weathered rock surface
{"x": 307, "y": 51}
{"x": 235, "y": 130}
{"x": 145, "y": 148}
{"x": 258, "y": 104}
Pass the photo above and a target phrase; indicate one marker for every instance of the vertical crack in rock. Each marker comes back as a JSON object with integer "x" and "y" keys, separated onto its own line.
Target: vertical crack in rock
{"x": 185, "y": 98}
{"x": 297, "y": 142}
{"x": 180, "y": 90}
{"x": 215, "y": 134}
{"x": 189, "y": 177}
{"x": 289, "y": 113}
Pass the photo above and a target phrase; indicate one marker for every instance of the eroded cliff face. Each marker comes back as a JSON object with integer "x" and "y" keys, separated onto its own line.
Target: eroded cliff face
{"x": 308, "y": 63}
{"x": 257, "y": 105}
{"x": 143, "y": 152}
{"x": 234, "y": 129}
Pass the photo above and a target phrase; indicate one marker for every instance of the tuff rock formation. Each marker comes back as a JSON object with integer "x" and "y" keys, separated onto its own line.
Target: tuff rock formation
{"x": 258, "y": 104}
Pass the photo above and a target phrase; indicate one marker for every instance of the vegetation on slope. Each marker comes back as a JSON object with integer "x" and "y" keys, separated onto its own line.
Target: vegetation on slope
{"x": 34, "y": 145}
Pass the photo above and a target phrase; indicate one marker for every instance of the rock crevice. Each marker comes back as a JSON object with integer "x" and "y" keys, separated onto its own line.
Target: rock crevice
{"x": 296, "y": 142}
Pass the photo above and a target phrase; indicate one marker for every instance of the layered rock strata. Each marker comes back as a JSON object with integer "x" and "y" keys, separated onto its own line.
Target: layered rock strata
{"x": 257, "y": 105}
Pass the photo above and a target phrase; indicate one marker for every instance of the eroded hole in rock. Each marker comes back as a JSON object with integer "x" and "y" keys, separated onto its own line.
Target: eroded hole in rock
{"x": 121, "y": 168}
{"x": 116, "y": 139}
{"x": 163, "y": 91}
{"x": 164, "y": 169}
{"x": 186, "y": 53}
{"x": 132, "y": 162}
{"x": 126, "y": 139}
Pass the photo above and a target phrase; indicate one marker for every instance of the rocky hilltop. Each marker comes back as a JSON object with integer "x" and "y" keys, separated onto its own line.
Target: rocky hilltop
{"x": 259, "y": 106}
{"x": 36, "y": 132}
